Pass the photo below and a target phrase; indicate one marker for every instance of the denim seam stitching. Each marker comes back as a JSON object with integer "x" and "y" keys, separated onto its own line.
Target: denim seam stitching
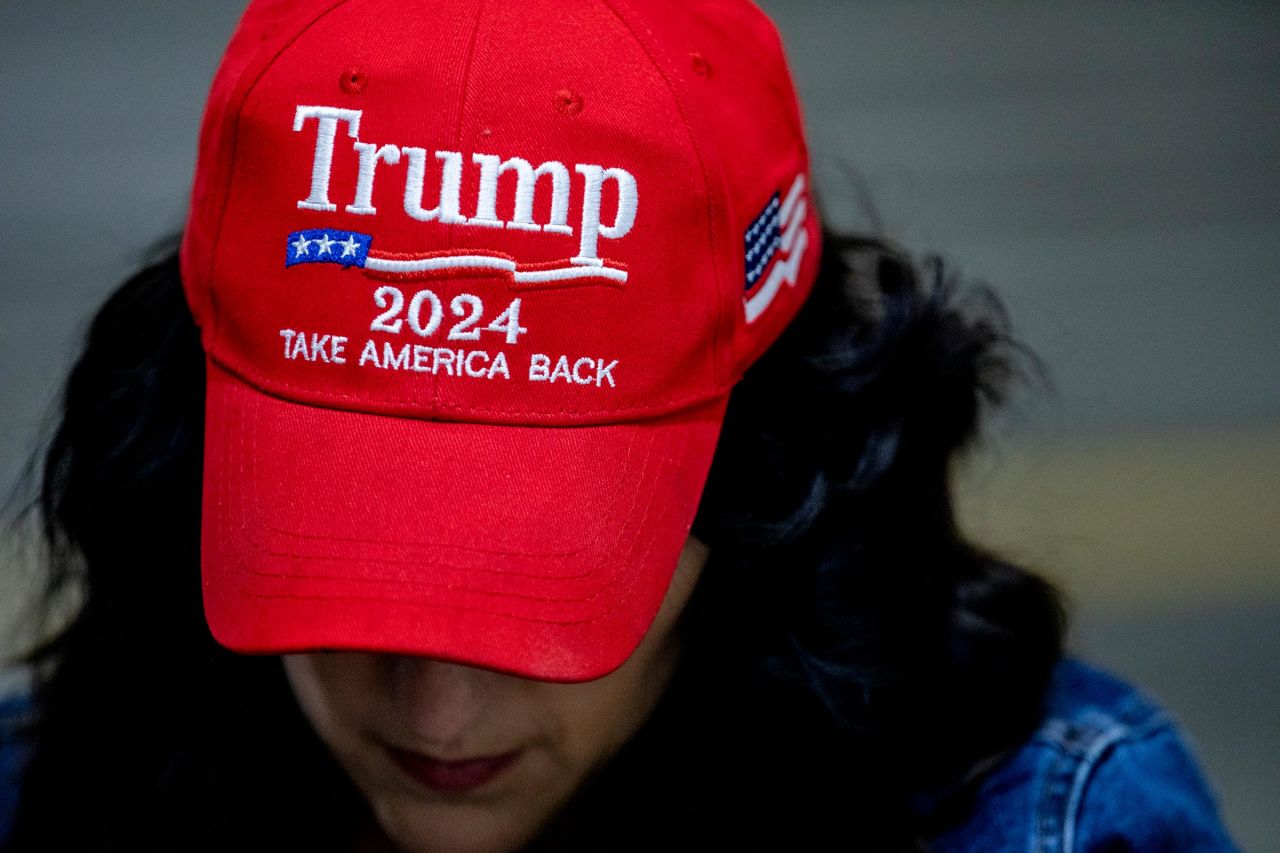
{"x": 1105, "y": 739}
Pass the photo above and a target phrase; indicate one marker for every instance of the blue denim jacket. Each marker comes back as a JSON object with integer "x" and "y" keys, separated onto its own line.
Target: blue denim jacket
{"x": 15, "y": 714}
{"x": 1106, "y": 771}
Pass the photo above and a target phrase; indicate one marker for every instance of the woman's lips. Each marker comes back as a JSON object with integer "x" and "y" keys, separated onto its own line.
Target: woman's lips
{"x": 451, "y": 777}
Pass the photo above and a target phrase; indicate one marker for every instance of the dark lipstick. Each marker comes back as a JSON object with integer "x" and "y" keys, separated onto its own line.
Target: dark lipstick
{"x": 451, "y": 777}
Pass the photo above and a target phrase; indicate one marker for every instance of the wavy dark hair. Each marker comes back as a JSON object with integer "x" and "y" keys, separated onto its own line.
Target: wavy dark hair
{"x": 849, "y": 660}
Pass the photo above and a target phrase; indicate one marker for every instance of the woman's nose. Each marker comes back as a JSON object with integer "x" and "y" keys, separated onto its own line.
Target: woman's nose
{"x": 440, "y": 701}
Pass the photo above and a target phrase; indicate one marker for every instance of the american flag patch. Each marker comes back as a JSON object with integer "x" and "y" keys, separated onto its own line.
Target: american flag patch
{"x": 775, "y": 244}
{"x": 762, "y": 239}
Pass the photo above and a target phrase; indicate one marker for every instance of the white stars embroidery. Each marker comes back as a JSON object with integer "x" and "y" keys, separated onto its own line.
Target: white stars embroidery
{"x": 325, "y": 243}
{"x": 349, "y": 245}
{"x": 300, "y": 246}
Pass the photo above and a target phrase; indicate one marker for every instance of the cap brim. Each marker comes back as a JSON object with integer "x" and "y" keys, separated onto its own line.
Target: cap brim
{"x": 539, "y": 551}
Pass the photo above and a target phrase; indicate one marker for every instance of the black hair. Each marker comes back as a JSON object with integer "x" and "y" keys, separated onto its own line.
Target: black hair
{"x": 849, "y": 658}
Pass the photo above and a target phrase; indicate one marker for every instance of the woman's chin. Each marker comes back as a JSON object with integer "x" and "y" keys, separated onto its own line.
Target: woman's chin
{"x": 466, "y": 825}
{"x": 417, "y": 827}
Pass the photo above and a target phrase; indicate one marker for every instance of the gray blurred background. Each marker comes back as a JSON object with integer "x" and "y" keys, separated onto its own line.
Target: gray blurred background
{"x": 1113, "y": 170}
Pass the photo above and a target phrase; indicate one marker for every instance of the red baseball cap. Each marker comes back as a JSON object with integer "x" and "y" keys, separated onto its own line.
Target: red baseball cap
{"x": 474, "y": 279}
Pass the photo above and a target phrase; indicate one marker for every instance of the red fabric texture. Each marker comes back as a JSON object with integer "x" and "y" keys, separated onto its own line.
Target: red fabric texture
{"x": 364, "y": 489}
{"x": 539, "y": 551}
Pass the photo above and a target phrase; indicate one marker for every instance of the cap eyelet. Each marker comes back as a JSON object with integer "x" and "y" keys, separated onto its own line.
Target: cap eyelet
{"x": 701, "y": 66}
{"x": 568, "y": 102}
{"x": 353, "y": 81}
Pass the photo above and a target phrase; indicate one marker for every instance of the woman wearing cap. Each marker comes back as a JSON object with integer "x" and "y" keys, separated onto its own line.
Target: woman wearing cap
{"x": 507, "y": 460}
